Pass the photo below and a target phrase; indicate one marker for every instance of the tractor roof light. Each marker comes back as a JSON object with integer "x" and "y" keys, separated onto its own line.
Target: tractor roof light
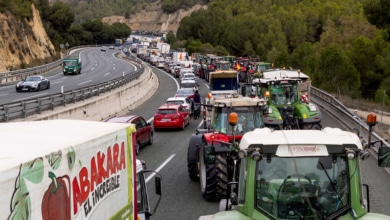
{"x": 363, "y": 154}
{"x": 233, "y": 119}
{"x": 256, "y": 156}
{"x": 351, "y": 154}
{"x": 371, "y": 119}
{"x": 209, "y": 96}
{"x": 242, "y": 154}
{"x": 267, "y": 94}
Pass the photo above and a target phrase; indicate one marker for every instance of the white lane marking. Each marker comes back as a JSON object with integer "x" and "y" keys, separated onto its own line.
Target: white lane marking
{"x": 56, "y": 81}
{"x": 40, "y": 94}
{"x": 107, "y": 74}
{"x": 160, "y": 167}
{"x": 84, "y": 82}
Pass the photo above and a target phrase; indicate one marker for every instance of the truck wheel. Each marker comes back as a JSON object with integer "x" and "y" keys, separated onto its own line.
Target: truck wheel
{"x": 213, "y": 177}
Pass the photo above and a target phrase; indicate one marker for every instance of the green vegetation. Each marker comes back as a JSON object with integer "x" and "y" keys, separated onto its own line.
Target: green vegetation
{"x": 342, "y": 44}
{"x": 19, "y": 8}
{"x": 59, "y": 22}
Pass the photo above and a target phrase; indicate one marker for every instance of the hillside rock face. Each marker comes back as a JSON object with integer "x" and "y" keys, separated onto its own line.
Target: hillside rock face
{"x": 23, "y": 42}
{"x": 154, "y": 19}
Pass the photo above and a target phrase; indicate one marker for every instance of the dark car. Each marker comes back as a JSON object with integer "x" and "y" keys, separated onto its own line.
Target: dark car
{"x": 33, "y": 83}
{"x": 144, "y": 134}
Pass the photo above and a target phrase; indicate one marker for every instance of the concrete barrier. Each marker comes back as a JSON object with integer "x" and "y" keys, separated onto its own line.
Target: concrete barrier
{"x": 116, "y": 102}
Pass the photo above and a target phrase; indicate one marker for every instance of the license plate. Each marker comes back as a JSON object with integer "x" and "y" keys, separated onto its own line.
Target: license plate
{"x": 25, "y": 89}
{"x": 165, "y": 119}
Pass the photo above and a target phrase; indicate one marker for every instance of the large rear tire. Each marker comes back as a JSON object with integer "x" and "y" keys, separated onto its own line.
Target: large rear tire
{"x": 213, "y": 177}
{"x": 193, "y": 171}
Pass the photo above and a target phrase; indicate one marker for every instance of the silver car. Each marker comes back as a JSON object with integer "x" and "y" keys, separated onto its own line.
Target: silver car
{"x": 33, "y": 83}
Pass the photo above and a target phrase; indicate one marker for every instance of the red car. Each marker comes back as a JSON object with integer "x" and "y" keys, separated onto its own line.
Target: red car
{"x": 171, "y": 116}
{"x": 144, "y": 134}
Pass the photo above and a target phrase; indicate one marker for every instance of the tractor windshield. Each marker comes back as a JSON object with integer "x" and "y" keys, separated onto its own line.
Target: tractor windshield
{"x": 284, "y": 94}
{"x": 250, "y": 117}
{"x": 302, "y": 188}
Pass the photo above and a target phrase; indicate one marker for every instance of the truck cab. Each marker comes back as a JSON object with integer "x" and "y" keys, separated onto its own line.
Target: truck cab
{"x": 71, "y": 66}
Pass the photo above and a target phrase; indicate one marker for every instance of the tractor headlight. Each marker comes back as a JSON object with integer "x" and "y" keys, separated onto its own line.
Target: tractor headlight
{"x": 351, "y": 154}
{"x": 269, "y": 110}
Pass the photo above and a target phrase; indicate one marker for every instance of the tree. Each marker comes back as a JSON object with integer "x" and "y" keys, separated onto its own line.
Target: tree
{"x": 362, "y": 53}
{"x": 171, "y": 38}
{"x": 336, "y": 72}
{"x": 194, "y": 46}
{"x": 60, "y": 17}
{"x": 377, "y": 12}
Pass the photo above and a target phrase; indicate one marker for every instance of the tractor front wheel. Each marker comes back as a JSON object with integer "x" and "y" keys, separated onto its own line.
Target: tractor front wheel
{"x": 213, "y": 176}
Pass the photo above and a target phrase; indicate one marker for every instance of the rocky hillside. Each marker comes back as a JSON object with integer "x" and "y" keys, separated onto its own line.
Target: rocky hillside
{"x": 23, "y": 43}
{"x": 154, "y": 19}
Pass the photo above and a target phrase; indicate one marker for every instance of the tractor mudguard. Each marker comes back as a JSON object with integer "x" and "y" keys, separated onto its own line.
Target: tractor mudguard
{"x": 193, "y": 147}
{"x": 275, "y": 118}
{"x": 219, "y": 148}
{"x": 304, "y": 114}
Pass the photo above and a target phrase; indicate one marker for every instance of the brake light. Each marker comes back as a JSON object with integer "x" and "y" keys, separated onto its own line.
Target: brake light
{"x": 176, "y": 116}
{"x": 184, "y": 106}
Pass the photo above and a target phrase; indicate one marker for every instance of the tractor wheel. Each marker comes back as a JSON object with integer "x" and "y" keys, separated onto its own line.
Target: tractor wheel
{"x": 213, "y": 177}
{"x": 193, "y": 171}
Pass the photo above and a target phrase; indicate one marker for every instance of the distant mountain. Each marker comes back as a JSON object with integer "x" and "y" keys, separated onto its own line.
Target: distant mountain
{"x": 148, "y": 15}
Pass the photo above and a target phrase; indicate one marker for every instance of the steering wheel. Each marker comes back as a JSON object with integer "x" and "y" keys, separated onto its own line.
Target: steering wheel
{"x": 290, "y": 197}
{"x": 300, "y": 176}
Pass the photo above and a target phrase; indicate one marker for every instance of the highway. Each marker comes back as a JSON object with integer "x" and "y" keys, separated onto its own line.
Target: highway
{"x": 181, "y": 196}
{"x": 98, "y": 67}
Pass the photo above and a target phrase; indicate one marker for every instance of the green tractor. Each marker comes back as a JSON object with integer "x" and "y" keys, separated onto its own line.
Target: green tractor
{"x": 289, "y": 105}
{"x": 301, "y": 174}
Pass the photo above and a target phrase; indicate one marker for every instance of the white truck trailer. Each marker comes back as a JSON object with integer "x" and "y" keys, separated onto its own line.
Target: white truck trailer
{"x": 71, "y": 169}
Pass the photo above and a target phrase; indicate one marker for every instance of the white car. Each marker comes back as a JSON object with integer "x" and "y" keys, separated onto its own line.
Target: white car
{"x": 189, "y": 84}
{"x": 184, "y": 101}
{"x": 188, "y": 76}
{"x": 185, "y": 71}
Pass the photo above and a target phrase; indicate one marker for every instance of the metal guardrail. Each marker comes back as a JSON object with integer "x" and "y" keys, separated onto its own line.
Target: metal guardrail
{"x": 353, "y": 122}
{"x": 22, "y": 109}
